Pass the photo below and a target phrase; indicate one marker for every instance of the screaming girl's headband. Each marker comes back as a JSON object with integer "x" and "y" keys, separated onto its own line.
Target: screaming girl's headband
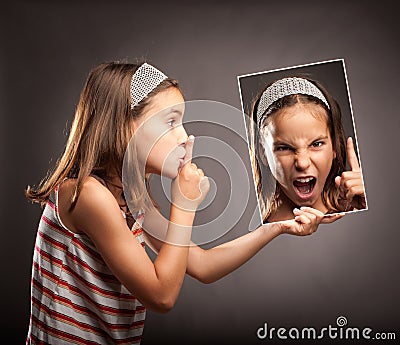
{"x": 285, "y": 87}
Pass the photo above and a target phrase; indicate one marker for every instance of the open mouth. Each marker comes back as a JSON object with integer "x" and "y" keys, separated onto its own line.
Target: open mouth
{"x": 304, "y": 186}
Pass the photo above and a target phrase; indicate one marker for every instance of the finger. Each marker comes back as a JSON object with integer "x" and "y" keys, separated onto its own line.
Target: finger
{"x": 339, "y": 181}
{"x": 358, "y": 190}
{"x": 348, "y": 184}
{"x": 330, "y": 218}
{"x": 351, "y": 155}
{"x": 307, "y": 217}
{"x": 189, "y": 149}
{"x": 300, "y": 212}
{"x": 351, "y": 175}
{"x": 204, "y": 184}
{"x": 303, "y": 219}
{"x": 351, "y": 183}
{"x": 200, "y": 171}
{"x": 189, "y": 170}
{"x": 312, "y": 211}
{"x": 298, "y": 215}
{"x": 353, "y": 191}
{"x": 305, "y": 225}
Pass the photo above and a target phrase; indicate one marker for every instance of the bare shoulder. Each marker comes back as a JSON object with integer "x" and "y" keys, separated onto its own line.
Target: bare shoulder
{"x": 95, "y": 201}
{"x": 92, "y": 191}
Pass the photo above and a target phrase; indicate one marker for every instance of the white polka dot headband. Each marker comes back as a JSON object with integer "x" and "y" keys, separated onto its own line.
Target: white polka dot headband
{"x": 144, "y": 80}
{"x": 285, "y": 87}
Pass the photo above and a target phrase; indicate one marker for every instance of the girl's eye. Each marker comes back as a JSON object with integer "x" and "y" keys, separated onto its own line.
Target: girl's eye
{"x": 171, "y": 123}
{"x": 317, "y": 144}
{"x": 282, "y": 148}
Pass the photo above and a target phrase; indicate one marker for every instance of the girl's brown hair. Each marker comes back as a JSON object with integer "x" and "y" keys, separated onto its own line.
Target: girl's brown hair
{"x": 100, "y": 133}
{"x": 268, "y": 188}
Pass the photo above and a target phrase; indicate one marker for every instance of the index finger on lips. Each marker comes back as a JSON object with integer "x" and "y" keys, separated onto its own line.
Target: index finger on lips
{"x": 351, "y": 155}
{"x": 189, "y": 149}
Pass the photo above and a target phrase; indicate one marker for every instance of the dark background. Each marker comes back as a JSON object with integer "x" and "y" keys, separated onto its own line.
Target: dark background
{"x": 349, "y": 268}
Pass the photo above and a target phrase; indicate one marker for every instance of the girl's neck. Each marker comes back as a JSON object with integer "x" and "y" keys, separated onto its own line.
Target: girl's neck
{"x": 114, "y": 185}
{"x": 284, "y": 209}
{"x": 114, "y": 182}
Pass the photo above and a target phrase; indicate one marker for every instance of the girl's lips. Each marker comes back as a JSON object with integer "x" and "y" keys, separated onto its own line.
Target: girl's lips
{"x": 304, "y": 187}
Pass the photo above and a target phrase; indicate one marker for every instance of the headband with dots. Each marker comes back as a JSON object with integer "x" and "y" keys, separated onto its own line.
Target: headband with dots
{"x": 285, "y": 87}
{"x": 144, "y": 80}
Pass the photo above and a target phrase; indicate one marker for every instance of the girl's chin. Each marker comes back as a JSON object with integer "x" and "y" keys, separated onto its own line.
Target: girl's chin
{"x": 171, "y": 174}
{"x": 168, "y": 172}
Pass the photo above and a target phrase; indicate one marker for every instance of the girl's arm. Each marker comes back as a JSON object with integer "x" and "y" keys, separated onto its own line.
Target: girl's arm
{"x": 156, "y": 285}
{"x": 98, "y": 215}
{"x": 212, "y": 264}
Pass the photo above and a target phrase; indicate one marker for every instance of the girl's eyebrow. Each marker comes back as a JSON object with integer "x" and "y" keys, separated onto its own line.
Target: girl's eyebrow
{"x": 283, "y": 142}
{"x": 321, "y": 137}
{"x": 176, "y": 111}
{"x": 173, "y": 111}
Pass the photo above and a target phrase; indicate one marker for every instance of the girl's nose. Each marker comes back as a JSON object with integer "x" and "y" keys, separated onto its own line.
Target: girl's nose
{"x": 302, "y": 160}
{"x": 181, "y": 135}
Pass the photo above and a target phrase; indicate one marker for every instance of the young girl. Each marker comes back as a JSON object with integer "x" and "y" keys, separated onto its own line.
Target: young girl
{"x": 91, "y": 279}
{"x": 298, "y": 138}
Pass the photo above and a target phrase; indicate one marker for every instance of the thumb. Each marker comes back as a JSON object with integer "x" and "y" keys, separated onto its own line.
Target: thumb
{"x": 337, "y": 181}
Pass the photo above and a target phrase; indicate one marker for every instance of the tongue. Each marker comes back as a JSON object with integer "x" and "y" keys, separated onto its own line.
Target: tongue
{"x": 303, "y": 187}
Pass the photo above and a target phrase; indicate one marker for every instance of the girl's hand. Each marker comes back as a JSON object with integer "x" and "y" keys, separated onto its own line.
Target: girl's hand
{"x": 306, "y": 221}
{"x": 191, "y": 186}
{"x": 350, "y": 183}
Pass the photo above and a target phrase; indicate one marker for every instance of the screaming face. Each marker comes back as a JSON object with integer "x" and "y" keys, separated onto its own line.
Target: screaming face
{"x": 299, "y": 151}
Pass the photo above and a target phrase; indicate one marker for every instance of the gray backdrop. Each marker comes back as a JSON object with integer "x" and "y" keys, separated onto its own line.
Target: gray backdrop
{"x": 346, "y": 269}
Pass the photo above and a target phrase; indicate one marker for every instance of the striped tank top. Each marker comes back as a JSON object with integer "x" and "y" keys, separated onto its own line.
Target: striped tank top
{"x": 75, "y": 298}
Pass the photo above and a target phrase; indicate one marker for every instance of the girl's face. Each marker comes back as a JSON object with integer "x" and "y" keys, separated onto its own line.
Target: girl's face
{"x": 159, "y": 134}
{"x": 299, "y": 152}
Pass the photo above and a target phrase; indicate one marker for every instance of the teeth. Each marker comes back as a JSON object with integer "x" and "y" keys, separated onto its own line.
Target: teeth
{"x": 305, "y": 180}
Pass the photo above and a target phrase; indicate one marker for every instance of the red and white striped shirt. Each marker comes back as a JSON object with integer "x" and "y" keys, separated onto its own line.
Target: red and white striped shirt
{"x": 75, "y": 298}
